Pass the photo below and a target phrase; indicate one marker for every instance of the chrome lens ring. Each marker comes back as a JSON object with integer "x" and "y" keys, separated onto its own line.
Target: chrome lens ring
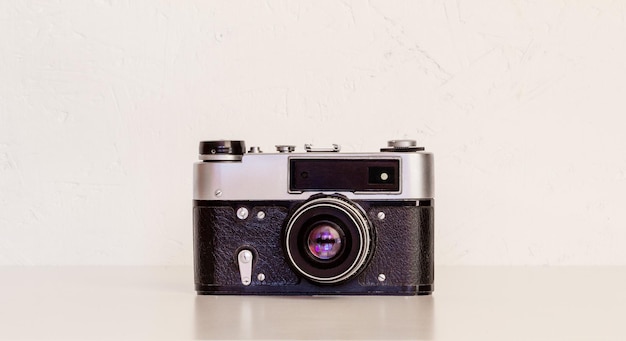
{"x": 354, "y": 224}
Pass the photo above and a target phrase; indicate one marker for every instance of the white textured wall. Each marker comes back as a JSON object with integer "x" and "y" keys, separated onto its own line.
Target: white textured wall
{"x": 102, "y": 104}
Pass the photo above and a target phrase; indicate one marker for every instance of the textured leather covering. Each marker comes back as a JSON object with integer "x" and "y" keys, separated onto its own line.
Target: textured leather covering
{"x": 403, "y": 249}
{"x": 220, "y": 235}
{"x": 404, "y": 246}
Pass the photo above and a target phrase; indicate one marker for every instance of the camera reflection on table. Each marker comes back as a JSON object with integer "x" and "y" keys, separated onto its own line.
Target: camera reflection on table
{"x": 320, "y": 317}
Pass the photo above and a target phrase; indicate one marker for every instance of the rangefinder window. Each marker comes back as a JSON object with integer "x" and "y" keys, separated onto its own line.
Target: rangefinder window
{"x": 381, "y": 175}
{"x": 349, "y": 175}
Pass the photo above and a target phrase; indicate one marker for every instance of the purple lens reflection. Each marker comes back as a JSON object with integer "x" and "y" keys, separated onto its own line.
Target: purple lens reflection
{"x": 324, "y": 241}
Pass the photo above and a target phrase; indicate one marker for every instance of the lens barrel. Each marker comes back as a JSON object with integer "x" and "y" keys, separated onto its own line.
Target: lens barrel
{"x": 328, "y": 239}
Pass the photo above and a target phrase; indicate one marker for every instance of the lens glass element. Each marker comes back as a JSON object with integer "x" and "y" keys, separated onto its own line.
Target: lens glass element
{"x": 324, "y": 241}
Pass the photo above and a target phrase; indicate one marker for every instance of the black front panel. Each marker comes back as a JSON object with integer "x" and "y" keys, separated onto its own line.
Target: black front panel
{"x": 403, "y": 250}
{"x": 344, "y": 175}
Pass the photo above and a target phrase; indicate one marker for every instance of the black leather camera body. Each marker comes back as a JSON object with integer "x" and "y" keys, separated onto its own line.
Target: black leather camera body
{"x": 313, "y": 223}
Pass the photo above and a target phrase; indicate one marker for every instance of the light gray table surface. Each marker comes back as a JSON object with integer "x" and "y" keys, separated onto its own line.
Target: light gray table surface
{"x": 469, "y": 303}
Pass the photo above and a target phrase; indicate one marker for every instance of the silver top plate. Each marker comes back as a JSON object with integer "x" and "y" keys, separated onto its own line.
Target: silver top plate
{"x": 266, "y": 177}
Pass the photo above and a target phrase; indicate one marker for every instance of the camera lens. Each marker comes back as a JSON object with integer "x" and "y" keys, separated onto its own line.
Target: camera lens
{"x": 324, "y": 241}
{"x": 328, "y": 239}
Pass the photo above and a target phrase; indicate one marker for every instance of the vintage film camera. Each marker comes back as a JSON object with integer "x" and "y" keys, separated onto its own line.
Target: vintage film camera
{"x": 313, "y": 223}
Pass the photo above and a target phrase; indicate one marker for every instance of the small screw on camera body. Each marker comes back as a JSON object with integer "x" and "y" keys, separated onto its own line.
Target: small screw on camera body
{"x": 242, "y": 213}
